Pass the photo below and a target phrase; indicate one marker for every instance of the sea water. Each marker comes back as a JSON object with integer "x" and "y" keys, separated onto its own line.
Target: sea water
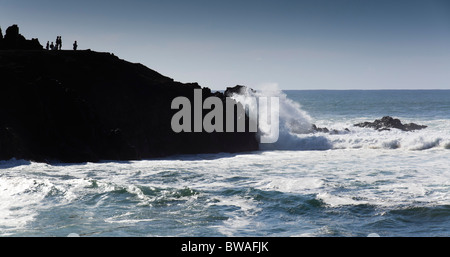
{"x": 359, "y": 182}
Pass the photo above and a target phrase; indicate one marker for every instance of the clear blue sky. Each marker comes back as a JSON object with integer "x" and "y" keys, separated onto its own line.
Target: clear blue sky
{"x": 316, "y": 44}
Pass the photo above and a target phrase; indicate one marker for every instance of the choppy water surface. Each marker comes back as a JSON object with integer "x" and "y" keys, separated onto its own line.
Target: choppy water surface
{"x": 391, "y": 183}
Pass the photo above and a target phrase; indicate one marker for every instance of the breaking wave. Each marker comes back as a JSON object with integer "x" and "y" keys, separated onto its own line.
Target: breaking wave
{"x": 296, "y": 133}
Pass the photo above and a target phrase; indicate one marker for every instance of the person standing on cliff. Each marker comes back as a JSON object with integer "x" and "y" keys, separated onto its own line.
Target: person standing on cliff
{"x": 75, "y": 46}
{"x": 60, "y": 43}
{"x": 48, "y": 45}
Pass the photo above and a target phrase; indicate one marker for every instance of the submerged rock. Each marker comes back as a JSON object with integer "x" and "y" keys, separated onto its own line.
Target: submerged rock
{"x": 315, "y": 129}
{"x": 387, "y": 123}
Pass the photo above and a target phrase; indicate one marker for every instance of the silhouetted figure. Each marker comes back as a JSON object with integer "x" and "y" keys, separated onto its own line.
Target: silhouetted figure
{"x": 48, "y": 45}
{"x": 75, "y": 45}
{"x": 1, "y": 36}
{"x": 52, "y": 46}
{"x": 58, "y": 43}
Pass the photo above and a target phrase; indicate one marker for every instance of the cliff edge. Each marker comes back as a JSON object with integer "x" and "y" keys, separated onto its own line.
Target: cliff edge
{"x": 78, "y": 106}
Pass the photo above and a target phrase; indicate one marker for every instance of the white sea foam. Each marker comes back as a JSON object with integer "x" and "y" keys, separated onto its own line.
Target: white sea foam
{"x": 241, "y": 218}
{"x": 335, "y": 177}
{"x": 338, "y": 200}
{"x": 394, "y": 139}
{"x": 292, "y": 185}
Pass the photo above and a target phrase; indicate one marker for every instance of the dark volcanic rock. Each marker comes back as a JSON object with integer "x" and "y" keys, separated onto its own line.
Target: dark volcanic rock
{"x": 78, "y": 106}
{"x": 237, "y": 90}
{"x": 387, "y": 122}
{"x": 14, "y": 40}
{"x": 319, "y": 129}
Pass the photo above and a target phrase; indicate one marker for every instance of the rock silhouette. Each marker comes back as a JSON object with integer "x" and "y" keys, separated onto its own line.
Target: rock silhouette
{"x": 383, "y": 124}
{"x": 14, "y": 40}
{"x": 79, "y": 106}
{"x": 238, "y": 89}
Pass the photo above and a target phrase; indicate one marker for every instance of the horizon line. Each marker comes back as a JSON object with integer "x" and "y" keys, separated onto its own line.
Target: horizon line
{"x": 354, "y": 89}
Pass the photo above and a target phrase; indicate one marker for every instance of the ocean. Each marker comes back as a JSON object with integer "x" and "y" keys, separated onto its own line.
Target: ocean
{"x": 354, "y": 183}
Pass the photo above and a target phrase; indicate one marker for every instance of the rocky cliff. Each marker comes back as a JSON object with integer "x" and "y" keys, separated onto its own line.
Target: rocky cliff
{"x": 14, "y": 40}
{"x": 78, "y": 106}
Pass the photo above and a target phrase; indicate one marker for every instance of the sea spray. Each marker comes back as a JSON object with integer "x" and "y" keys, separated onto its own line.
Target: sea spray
{"x": 295, "y": 125}
{"x": 262, "y": 110}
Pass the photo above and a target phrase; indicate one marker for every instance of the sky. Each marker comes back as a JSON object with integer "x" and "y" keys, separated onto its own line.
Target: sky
{"x": 316, "y": 44}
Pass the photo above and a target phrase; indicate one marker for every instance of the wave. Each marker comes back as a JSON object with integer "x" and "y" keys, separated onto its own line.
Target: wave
{"x": 293, "y": 121}
{"x": 395, "y": 139}
{"x": 296, "y": 133}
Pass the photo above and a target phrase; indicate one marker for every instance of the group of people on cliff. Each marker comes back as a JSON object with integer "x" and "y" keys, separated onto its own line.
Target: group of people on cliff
{"x": 52, "y": 46}
{"x": 58, "y": 45}
{"x": 14, "y": 40}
